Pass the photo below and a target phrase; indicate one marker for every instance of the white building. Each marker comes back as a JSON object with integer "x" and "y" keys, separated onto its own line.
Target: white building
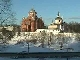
{"x": 58, "y": 24}
{"x": 54, "y": 27}
{"x": 47, "y": 30}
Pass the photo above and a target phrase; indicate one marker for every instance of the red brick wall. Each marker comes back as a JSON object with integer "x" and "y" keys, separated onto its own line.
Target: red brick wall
{"x": 30, "y": 25}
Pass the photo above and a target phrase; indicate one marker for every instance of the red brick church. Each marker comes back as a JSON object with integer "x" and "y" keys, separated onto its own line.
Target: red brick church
{"x": 32, "y": 22}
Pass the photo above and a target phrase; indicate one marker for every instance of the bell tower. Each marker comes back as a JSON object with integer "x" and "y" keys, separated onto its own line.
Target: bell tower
{"x": 58, "y": 19}
{"x": 32, "y": 13}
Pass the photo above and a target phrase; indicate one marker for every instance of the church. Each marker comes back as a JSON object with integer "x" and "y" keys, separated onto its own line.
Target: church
{"x": 58, "y": 24}
{"x": 32, "y": 22}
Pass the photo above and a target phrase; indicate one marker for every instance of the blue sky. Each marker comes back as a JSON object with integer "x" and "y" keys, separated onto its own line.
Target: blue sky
{"x": 48, "y": 9}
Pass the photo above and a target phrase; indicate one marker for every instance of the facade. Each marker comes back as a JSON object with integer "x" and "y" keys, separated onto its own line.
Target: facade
{"x": 58, "y": 24}
{"x": 32, "y": 22}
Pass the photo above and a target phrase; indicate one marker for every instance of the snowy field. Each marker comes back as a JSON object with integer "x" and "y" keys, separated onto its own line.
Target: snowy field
{"x": 72, "y": 45}
{"x": 39, "y": 58}
{"x": 69, "y": 45}
{"x": 75, "y": 47}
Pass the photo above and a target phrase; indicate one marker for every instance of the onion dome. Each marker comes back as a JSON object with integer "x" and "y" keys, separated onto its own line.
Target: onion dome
{"x": 32, "y": 11}
{"x": 58, "y": 17}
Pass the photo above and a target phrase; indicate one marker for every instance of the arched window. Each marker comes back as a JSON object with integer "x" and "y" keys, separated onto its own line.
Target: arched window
{"x": 59, "y": 20}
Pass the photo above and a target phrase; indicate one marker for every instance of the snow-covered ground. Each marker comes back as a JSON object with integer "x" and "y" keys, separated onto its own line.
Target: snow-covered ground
{"x": 71, "y": 45}
{"x": 40, "y": 58}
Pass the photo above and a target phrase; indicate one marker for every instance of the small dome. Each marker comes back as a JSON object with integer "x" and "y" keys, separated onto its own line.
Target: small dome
{"x": 58, "y": 16}
{"x": 32, "y": 10}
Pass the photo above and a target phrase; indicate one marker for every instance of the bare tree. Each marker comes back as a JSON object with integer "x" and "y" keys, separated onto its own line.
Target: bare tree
{"x": 77, "y": 37}
{"x": 42, "y": 37}
{"x": 6, "y": 14}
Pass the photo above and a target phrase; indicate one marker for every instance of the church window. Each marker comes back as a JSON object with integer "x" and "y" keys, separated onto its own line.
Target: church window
{"x": 59, "y": 20}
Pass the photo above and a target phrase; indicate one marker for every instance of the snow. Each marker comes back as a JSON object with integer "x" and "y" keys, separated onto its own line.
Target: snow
{"x": 75, "y": 46}
{"x": 21, "y": 47}
{"x": 71, "y": 45}
{"x": 15, "y": 46}
{"x": 37, "y": 48}
{"x": 32, "y": 48}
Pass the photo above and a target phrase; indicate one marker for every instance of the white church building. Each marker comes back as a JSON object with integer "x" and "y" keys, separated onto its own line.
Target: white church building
{"x": 55, "y": 27}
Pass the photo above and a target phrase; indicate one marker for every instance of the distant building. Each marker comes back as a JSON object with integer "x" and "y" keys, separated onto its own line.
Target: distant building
{"x": 57, "y": 25}
{"x": 9, "y": 28}
{"x": 32, "y": 22}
